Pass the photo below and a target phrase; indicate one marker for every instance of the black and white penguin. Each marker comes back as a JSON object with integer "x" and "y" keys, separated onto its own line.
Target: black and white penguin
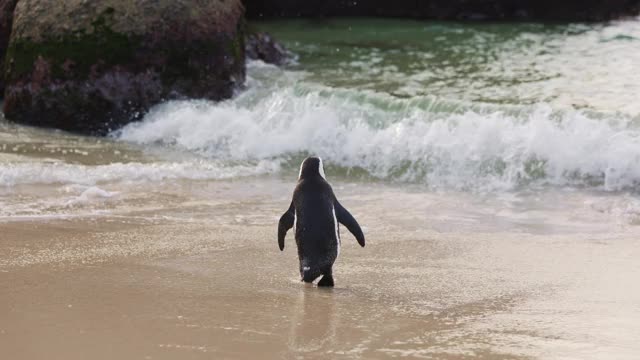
{"x": 315, "y": 212}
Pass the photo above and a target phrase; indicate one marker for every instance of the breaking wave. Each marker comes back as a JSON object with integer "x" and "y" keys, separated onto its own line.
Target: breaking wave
{"x": 442, "y": 144}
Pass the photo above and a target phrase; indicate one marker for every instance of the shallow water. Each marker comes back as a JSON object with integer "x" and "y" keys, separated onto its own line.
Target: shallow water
{"x": 443, "y": 275}
{"x": 493, "y": 167}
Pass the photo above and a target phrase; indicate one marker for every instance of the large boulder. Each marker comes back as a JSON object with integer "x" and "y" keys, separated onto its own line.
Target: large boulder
{"x": 93, "y": 66}
{"x": 6, "y": 21}
{"x": 564, "y": 10}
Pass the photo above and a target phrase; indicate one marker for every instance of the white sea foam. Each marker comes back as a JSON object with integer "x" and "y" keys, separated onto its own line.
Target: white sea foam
{"x": 63, "y": 173}
{"x": 90, "y": 195}
{"x": 444, "y": 144}
{"x": 404, "y": 140}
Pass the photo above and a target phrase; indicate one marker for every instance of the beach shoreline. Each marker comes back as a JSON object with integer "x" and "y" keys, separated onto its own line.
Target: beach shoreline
{"x": 214, "y": 284}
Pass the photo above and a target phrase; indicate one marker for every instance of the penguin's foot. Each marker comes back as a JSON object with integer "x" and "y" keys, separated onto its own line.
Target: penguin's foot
{"x": 327, "y": 280}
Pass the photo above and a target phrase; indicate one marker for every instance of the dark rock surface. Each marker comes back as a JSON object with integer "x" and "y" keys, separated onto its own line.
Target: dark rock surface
{"x": 558, "y": 10}
{"x": 262, "y": 46}
{"x": 6, "y": 21}
{"x": 93, "y": 66}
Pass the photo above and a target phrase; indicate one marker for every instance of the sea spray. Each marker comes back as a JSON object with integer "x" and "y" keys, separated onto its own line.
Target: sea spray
{"x": 434, "y": 142}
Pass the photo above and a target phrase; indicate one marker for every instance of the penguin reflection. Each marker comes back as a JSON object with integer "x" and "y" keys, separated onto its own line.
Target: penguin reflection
{"x": 313, "y": 326}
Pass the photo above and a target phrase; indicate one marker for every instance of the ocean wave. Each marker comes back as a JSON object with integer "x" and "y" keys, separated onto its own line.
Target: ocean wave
{"x": 443, "y": 144}
{"x": 23, "y": 173}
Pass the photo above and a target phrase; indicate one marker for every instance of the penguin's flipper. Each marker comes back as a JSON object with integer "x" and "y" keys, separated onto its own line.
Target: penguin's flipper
{"x": 346, "y": 219}
{"x": 286, "y": 223}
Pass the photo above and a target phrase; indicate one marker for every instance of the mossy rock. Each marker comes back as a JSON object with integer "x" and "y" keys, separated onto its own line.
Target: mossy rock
{"x": 92, "y": 66}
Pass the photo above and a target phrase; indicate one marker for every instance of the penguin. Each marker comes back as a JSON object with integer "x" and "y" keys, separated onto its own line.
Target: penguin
{"x": 315, "y": 213}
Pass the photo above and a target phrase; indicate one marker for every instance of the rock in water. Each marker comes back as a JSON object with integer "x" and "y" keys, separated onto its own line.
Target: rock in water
{"x": 262, "y": 46}
{"x": 93, "y": 66}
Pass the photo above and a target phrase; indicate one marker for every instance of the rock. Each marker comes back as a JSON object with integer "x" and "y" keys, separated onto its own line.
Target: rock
{"x": 93, "y": 66}
{"x": 563, "y": 10}
{"x": 6, "y": 21}
{"x": 261, "y": 46}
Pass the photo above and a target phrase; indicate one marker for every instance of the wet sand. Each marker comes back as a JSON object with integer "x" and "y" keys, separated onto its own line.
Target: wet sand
{"x": 443, "y": 276}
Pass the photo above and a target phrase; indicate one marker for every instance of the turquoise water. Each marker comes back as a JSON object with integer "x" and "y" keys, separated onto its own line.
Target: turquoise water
{"x": 472, "y": 107}
{"x": 574, "y": 66}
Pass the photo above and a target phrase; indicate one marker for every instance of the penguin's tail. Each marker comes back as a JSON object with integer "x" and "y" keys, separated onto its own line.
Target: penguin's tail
{"x": 309, "y": 273}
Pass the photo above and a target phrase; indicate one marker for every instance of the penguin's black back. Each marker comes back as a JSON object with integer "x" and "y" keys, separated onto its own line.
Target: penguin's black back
{"x": 316, "y": 224}
{"x": 315, "y": 213}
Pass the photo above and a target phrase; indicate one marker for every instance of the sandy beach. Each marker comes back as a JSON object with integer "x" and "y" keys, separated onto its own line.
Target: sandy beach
{"x": 442, "y": 276}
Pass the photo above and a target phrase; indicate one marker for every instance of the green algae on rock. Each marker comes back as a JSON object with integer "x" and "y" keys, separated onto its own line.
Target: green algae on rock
{"x": 91, "y": 67}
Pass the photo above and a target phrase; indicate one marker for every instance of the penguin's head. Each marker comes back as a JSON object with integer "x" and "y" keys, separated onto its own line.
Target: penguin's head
{"x": 311, "y": 167}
